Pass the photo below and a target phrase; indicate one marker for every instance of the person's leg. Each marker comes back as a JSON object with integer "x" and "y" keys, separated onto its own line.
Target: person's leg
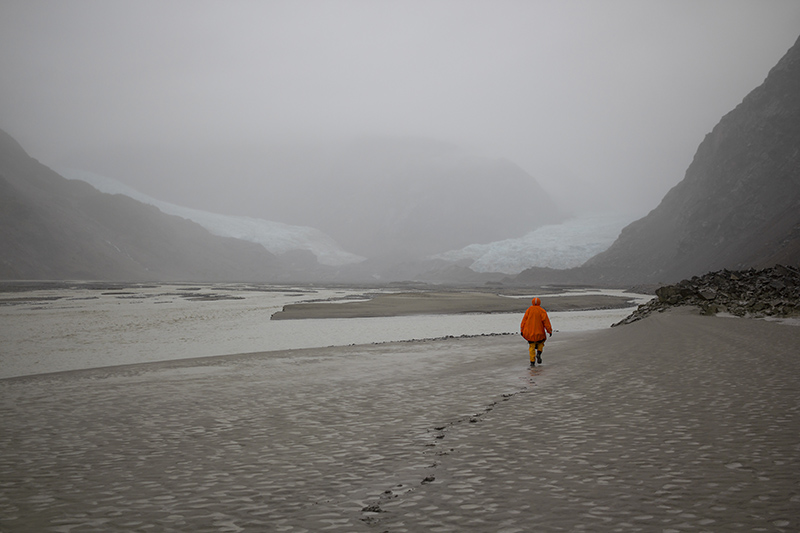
{"x": 532, "y": 352}
{"x": 539, "y": 349}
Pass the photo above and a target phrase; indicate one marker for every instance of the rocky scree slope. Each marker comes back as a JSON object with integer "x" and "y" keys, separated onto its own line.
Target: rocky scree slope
{"x": 773, "y": 291}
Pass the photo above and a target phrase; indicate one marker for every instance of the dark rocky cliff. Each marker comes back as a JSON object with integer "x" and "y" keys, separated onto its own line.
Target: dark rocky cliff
{"x": 54, "y": 228}
{"x": 738, "y": 205}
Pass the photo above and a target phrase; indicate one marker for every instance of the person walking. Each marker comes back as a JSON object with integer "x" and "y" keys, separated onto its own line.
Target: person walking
{"x": 533, "y": 327}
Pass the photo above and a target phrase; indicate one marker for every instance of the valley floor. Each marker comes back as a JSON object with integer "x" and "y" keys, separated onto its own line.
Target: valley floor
{"x": 678, "y": 422}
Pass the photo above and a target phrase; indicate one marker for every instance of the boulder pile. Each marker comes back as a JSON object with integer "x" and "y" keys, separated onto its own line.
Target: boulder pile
{"x": 754, "y": 293}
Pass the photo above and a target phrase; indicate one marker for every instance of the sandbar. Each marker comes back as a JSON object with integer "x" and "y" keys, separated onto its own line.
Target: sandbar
{"x": 432, "y": 303}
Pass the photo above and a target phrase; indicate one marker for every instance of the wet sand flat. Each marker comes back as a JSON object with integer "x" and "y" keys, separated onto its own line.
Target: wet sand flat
{"x": 441, "y": 303}
{"x": 674, "y": 423}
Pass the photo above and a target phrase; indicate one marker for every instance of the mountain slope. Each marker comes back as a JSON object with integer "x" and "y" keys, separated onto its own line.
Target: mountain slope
{"x": 410, "y": 198}
{"x": 738, "y": 205}
{"x": 386, "y": 198}
{"x": 54, "y": 228}
{"x": 276, "y": 237}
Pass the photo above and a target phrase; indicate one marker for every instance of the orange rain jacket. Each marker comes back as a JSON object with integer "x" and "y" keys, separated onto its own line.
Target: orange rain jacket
{"x": 535, "y": 323}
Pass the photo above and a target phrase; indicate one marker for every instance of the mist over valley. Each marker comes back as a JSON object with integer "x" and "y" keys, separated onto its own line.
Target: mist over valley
{"x": 382, "y": 198}
{"x": 450, "y": 143}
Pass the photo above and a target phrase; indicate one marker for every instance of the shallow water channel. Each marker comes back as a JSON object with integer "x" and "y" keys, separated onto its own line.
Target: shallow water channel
{"x": 51, "y": 330}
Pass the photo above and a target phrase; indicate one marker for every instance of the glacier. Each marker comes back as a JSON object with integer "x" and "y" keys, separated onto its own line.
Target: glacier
{"x": 559, "y": 246}
{"x": 276, "y": 237}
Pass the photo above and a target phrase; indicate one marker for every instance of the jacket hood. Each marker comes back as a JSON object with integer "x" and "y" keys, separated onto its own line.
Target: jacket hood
{"x": 536, "y": 301}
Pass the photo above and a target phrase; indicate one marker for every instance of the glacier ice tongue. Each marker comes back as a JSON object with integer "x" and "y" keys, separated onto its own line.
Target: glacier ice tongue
{"x": 276, "y": 237}
{"x": 561, "y": 246}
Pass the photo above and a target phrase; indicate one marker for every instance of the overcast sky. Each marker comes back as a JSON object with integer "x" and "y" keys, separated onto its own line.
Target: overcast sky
{"x": 606, "y": 97}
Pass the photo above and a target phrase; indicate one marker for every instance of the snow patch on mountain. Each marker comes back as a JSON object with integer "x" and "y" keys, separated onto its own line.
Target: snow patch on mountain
{"x": 561, "y": 246}
{"x": 276, "y": 237}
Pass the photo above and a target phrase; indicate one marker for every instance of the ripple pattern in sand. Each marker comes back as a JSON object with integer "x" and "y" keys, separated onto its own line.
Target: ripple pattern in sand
{"x": 632, "y": 430}
{"x": 702, "y": 437}
{"x": 296, "y": 442}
